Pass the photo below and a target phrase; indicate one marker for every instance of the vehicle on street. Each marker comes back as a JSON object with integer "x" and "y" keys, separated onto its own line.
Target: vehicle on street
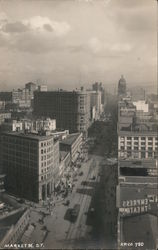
{"x": 65, "y": 194}
{"x": 67, "y": 203}
{"x": 81, "y": 173}
{"x": 75, "y": 211}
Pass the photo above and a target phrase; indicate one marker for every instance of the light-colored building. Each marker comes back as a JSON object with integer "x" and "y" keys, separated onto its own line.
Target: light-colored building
{"x": 141, "y": 105}
{"x": 137, "y": 133}
{"x": 45, "y": 124}
{"x": 42, "y": 88}
{"x": 95, "y": 101}
{"x": 11, "y": 125}
{"x": 31, "y": 164}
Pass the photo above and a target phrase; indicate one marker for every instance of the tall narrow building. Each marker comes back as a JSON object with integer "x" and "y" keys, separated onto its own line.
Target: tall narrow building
{"x": 122, "y": 86}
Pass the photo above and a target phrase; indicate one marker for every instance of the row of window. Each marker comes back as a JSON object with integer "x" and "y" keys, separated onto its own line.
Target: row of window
{"x": 137, "y": 148}
{"x": 141, "y": 143}
{"x": 44, "y": 151}
{"x": 136, "y": 138}
{"x": 44, "y": 144}
{"x": 44, "y": 177}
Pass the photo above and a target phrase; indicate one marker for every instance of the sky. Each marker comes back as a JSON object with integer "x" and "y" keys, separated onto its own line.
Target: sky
{"x": 73, "y": 43}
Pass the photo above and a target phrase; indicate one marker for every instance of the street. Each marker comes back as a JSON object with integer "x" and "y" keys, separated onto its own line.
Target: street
{"x": 95, "y": 225}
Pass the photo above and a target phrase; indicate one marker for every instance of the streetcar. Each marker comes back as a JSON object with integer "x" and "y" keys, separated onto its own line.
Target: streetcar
{"x": 75, "y": 211}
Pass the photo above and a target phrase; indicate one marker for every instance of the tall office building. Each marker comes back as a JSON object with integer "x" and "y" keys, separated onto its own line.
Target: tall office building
{"x": 122, "y": 86}
{"x": 70, "y": 109}
{"x": 95, "y": 102}
{"x": 98, "y": 87}
{"x": 31, "y": 164}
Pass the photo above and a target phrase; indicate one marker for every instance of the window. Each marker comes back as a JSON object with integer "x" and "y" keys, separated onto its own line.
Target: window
{"x": 135, "y": 148}
{"x": 142, "y": 154}
{"x": 142, "y": 148}
{"x": 150, "y": 138}
{"x": 142, "y": 143}
{"x": 150, "y": 143}
{"x": 128, "y": 138}
{"x": 149, "y": 154}
{"x": 135, "y": 138}
{"x": 143, "y": 138}
{"x": 41, "y": 151}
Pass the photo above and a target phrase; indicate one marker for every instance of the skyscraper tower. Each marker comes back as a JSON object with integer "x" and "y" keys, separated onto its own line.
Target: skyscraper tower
{"x": 122, "y": 86}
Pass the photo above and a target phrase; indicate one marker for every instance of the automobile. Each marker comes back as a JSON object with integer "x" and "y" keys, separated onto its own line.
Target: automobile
{"x": 93, "y": 178}
{"x": 67, "y": 203}
{"x": 81, "y": 173}
{"x": 75, "y": 211}
{"x": 65, "y": 194}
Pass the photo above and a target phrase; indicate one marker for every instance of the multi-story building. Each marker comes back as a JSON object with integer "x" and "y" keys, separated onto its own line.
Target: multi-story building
{"x": 98, "y": 87}
{"x": 95, "y": 101}
{"x": 73, "y": 144}
{"x": 137, "y": 132}
{"x": 42, "y": 88}
{"x": 70, "y": 109}
{"x": 11, "y": 125}
{"x": 122, "y": 87}
{"x": 31, "y": 164}
{"x": 3, "y": 116}
{"x": 137, "y": 194}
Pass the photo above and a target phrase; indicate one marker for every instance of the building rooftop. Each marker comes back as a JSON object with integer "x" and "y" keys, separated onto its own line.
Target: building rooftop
{"x": 70, "y": 139}
{"x": 32, "y": 136}
{"x": 63, "y": 154}
{"x": 140, "y": 163}
{"x": 141, "y": 228}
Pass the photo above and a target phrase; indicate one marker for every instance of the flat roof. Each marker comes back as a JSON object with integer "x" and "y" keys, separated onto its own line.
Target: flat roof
{"x": 29, "y": 136}
{"x": 136, "y": 192}
{"x": 138, "y": 163}
{"x": 70, "y": 139}
{"x": 141, "y": 228}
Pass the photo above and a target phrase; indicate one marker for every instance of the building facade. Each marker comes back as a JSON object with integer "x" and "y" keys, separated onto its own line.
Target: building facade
{"x": 73, "y": 144}
{"x": 136, "y": 194}
{"x": 30, "y": 162}
{"x": 70, "y": 109}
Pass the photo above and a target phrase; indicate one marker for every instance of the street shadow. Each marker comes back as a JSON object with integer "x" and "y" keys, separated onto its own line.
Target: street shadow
{"x": 85, "y": 191}
{"x": 89, "y": 183}
{"x": 68, "y": 215}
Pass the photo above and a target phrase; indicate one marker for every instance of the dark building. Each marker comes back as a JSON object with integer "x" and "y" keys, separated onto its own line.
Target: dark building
{"x": 122, "y": 86}
{"x": 6, "y": 96}
{"x": 31, "y": 164}
{"x": 70, "y": 109}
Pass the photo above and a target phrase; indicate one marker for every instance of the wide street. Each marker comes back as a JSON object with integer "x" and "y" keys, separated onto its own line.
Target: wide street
{"x": 95, "y": 226}
{"x": 94, "y": 189}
